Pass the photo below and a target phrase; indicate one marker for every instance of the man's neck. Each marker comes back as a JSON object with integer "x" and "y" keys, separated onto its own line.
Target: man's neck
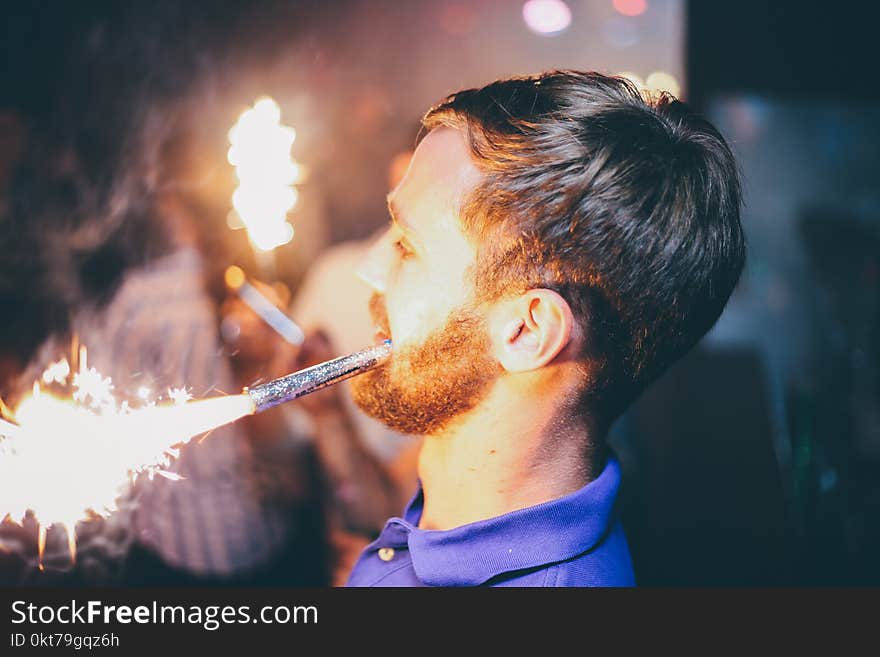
{"x": 502, "y": 457}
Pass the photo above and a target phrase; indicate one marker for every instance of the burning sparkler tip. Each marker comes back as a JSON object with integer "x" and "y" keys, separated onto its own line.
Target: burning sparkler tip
{"x": 113, "y": 444}
{"x": 260, "y": 152}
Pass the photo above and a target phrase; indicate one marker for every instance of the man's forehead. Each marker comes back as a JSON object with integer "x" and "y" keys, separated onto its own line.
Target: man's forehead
{"x": 441, "y": 169}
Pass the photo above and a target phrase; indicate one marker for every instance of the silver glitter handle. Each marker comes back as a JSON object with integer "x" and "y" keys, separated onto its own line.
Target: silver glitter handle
{"x": 292, "y": 386}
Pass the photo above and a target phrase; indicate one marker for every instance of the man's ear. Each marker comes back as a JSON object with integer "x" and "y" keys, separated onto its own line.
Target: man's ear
{"x": 530, "y": 330}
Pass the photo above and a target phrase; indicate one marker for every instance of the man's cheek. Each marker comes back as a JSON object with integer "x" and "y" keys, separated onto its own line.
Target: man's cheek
{"x": 409, "y": 321}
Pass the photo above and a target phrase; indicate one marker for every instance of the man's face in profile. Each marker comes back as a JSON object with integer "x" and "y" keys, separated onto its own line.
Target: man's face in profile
{"x": 420, "y": 271}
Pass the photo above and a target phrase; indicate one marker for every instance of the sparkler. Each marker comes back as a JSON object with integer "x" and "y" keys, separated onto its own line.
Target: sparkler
{"x": 260, "y": 153}
{"x": 105, "y": 444}
{"x": 72, "y": 430}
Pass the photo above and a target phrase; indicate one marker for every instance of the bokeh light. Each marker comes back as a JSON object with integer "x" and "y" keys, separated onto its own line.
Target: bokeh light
{"x": 663, "y": 81}
{"x": 546, "y": 16}
{"x": 630, "y": 7}
{"x": 260, "y": 152}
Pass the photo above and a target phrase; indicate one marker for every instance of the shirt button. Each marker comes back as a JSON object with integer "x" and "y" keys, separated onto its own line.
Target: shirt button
{"x": 386, "y": 553}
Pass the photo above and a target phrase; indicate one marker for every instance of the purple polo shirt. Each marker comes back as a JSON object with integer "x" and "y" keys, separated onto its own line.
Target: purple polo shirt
{"x": 575, "y": 540}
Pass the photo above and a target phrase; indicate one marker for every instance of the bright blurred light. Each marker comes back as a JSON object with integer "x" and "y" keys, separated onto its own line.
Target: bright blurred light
{"x": 630, "y": 7}
{"x": 260, "y": 153}
{"x": 57, "y": 372}
{"x": 663, "y": 81}
{"x": 179, "y": 395}
{"x": 546, "y": 16}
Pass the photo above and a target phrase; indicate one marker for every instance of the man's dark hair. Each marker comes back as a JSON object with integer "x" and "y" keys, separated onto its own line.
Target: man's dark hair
{"x": 624, "y": 203}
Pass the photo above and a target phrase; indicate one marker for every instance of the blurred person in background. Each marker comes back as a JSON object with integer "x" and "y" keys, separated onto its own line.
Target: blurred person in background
{"x": 280, "y": 479}
{"x": 122, "y": 268}
{"x": 103, "y": 243}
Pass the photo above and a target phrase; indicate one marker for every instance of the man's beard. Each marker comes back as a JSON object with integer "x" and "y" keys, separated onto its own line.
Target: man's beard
{"x": 423, "y": 387}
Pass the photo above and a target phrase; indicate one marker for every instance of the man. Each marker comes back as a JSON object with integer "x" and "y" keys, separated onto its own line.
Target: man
{"x": 556, "y": 243}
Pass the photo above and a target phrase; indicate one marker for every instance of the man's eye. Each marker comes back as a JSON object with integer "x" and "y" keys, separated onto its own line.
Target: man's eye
{"x": 402, "y": 249}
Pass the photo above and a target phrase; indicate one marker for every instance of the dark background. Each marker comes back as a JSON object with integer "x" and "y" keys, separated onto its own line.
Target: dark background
{"x": 756, "y": 460}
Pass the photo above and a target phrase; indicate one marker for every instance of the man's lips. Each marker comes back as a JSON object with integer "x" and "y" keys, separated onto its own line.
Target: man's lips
{"x": 380, "y": 334}
{"x": 379, "y": 315}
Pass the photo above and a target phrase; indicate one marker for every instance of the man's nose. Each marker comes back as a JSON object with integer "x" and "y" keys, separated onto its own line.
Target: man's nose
{"x": 373, "y": 268}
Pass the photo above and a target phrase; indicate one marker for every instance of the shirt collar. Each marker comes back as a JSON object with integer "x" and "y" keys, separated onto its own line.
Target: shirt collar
{"x": 527, "y": 538}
